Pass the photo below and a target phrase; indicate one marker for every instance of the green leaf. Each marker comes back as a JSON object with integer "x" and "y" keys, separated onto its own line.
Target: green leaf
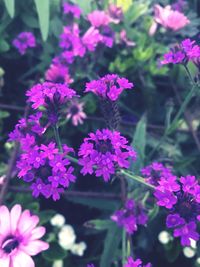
{"x": 4, "y": 46}
{"x": 4, "y": 114}
{"x": 99, "y": 224}
{"x": 10, "y": 6}
{"x": 55, "y": 252}
{"x": 43, "y": 14}
{"x": 103, "y": 204}
{"x": 111, "y": 244}
{"x": 139, "y": 143}
{"x": 86, "y": 5}
{"x": 46, "y": 215}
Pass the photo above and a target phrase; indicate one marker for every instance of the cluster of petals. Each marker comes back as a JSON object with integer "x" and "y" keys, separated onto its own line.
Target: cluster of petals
{"x": 75, "y": 112}
{"x": 135, "y": 263}
{"x": 58, "y": 73}
{"x": 156, "y": 173}
{"x": 47, "y": 170}
{"x": 132, "y": 215}
{"x": 103, "y": 152}
{"x": 72, "y": 9}
{"x": 109, "y": 87}
{"x": 188, "y": 50}
{"x": 169, "y": 18}
{"x": 24, "y": 41}
{"x": 182, "y": 199}
{"x": 19, "y": 237}
{"x": 49, "y": 93}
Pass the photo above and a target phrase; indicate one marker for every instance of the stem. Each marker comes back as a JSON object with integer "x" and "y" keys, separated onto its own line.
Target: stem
{"x": 136, "y": 178}
{"x": 189, "y": 74}
{"x": 123, "y": 246}
{"x": 57, "y": 137}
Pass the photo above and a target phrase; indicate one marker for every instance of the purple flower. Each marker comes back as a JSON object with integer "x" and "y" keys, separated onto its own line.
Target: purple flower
{"x": 188, "y": 50}
{"x": 115, "y": 13}
{"x": 187, "y": 232}
{"x": 109, "y": 86}
{"x": 58, "y": 74}
{"x": 135, "y": 263}
{"x": 92, "y": 38}
{"x": 49, "y": 94}
{"x": 183, "y": 204}
{"x": 74, "y": 10}
{"x": 24, "y": 41}
{"x": 132, "y": 215}
{"x": 46, "y": 168}
{"x": 103, "y": 151}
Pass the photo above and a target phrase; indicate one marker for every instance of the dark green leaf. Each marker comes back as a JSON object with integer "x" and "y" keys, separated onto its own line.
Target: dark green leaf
{"x": 55, "y": 252}
{"x": 43, "y": 15}
{"x": 10, "y": 6}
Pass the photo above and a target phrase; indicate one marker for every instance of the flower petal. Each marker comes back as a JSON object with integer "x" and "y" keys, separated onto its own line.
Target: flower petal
{"x": 4, "y": 220}
{"x": 21, "y": 259}
{"x": 5, "y": 261}
{"x": 27, "y": 223}
{"x": 34, "y": 247}
{"x": 15, "y": 214}
{"x": 37, "y": 233}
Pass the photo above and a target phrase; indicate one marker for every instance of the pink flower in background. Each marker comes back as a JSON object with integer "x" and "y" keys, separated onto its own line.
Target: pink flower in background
{"x": 99, "y": 18}
{"x": 19, "y": 237}
{"x": 75, "y": 112}
{"x": 92, "y": 38}
{"x": 124, "y": 39}
{"x": 170, "y": 19}
{"x": 24, "y": 41}
{"x": 58, "y": 74}
{"x": 115, "y": 13}
{"x": 72, "y": 9}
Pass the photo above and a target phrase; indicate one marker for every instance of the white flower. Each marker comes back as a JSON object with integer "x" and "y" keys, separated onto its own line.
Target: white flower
{"x": 58, "y": 220}
{"x": 58, "y": 263}
{"x": 79, "y": 248}
{"x": 164, "y": 237}
{"x": 193, "y": 243}
{"x": 66, "y": 237}
{"x": 189, "y": 252}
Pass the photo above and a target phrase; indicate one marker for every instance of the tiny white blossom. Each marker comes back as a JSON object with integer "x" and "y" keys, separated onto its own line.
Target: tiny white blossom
{"x": 66, "y": 237}
{"x": 79, "y": 248}
{"x": 58, "y": 263}
{"x": 164, "y": 237}
{"x": 58, "y": 220}
{"x": 189, "y": 252}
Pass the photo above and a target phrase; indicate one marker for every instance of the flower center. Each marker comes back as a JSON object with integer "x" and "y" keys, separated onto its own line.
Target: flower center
{"x": 104, "y": 146}
{"x": 10, "y": 244}
{"x": 74, "y": 110}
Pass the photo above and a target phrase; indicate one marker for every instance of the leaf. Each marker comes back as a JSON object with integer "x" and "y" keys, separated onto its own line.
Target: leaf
{"x": 86, "y": 5}
{"x": 4, "y": 46}
{"x": 111, "y": 243}
{"x": 55, "y": 252}
{"x": 103, "y": 204}
{"x": 139, "y": 143}
{"x": 99, "y": 224}
{"x": 10, "y": 6}
{"x": 46, "y": 215}
{"x": 4, "y": 114}
{"x": 43, "y": 14}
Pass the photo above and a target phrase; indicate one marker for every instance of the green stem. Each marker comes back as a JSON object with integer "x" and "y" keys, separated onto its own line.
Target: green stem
{"x": 136, "y": 178}
{"x": 57, "y": 137}
{"x": 189, "y": 74}
{"x": 123, "y": 246}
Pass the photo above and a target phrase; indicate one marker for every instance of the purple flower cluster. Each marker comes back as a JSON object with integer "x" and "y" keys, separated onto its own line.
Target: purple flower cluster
{"x": 24, "y": 41}
{"x": 135, "y": 263}
{"x": 74, "y": 10}
{"x": 132, "y": 215}
{"x": 103, "y": 152}
{"x": 182, "y": 199}
{"x": 109, "y": 86}
{"x": 156, "y": 173}
{"x": 188, "y": 50}
{"x": 49, "y": 94}
{"x": 58, "y": 73}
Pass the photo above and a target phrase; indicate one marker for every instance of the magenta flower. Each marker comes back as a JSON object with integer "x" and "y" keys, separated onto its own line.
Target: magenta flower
{"x": 75, "y": 112}
{"x": 58, "y": 74}
{"x": 188, "y": 50}
{"x": 92, "y": 38}
{"x": 132, "y": 215}
{"x": 19, "y": 237}
{"x": 105, "y": 151}
{"x": 135, "y": 263}
{"x": 124, "y": 39}
{"x": 170, "y": 19}
{"x": 48, "y": 170}
{"x": 115, "y": 13}
{"x": 49, "y": 94}
{"x": 109, "y": 87}
{"x": 183, "y": 205}
{"x": 24, "y": 41}
{"x": 99, "y": 18}
{"x": 70, "y": 40}
{"x": 74, "y": 10}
